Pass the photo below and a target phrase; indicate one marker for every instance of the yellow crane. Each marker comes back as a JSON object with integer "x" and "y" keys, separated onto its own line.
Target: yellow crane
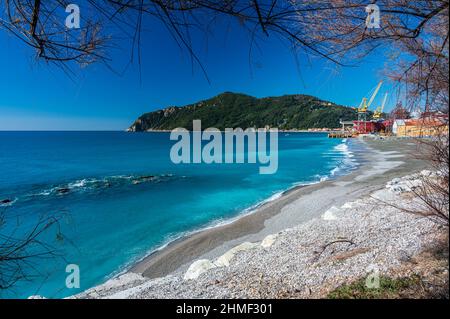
{"x": 362, "y": 110}
{"x": 364, "y": 106}
{"x": 379, "y": 111}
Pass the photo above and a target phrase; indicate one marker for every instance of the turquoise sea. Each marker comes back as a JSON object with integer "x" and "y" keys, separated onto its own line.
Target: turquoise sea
{"x": 119, "y": 197}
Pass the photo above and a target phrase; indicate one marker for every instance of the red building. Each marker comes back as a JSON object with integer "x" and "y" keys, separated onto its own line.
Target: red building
{"x": 366, "y": 127}
{"x": 388, "y": 125}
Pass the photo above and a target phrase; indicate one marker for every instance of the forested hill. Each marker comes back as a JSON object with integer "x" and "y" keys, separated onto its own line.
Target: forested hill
{"x": 232, "y": 110}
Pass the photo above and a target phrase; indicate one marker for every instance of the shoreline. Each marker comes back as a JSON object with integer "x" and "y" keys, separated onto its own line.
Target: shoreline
{"x": 319, "y": 130}
{"x": 264, "y": 219}
{"x": 142, "y": 265}
{"x": 153, "y": 265}
{"x": 172, "y": 271}
{"x": 220, "y": 223}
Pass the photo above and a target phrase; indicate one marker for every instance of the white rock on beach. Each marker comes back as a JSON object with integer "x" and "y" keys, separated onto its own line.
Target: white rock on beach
{"x": 330, "y": 214}
{"x": 224, "y": 260}
{"x": 269, "y": 240}
{"x": 203, "y": 265}
{"x": 197, "y": 268}
{"x": 405, "y": 184}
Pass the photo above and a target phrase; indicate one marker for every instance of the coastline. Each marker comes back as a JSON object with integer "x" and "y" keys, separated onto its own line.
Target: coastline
{"x": 269, "y": 218}
{"x": 154, "y": 264}
{"x": 318, "y": 130}
{"x": 299, "y": 215}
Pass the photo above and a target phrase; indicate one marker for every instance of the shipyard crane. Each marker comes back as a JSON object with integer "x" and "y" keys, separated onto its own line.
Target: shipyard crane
{"x": 379, "y": 111}
{"x": 364, "y": 106}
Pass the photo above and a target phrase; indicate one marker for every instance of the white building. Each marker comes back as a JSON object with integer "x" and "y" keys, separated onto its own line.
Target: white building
{"x": 396, "y": 124}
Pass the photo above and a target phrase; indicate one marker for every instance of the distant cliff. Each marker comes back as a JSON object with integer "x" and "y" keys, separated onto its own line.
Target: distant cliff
{"x": 231, "y": 110}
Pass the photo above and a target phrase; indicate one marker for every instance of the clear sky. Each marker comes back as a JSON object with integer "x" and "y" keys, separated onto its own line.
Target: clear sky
{"x": 36, "y": 96}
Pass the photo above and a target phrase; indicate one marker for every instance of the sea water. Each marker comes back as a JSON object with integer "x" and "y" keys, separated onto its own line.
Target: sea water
{"x": 118, "y": 197}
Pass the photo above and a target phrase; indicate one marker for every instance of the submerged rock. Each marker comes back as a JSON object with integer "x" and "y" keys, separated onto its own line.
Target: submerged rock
{"x": 63, "y": 190}
{"x": 6, "y": 201}
{"x": 142, "y": 179}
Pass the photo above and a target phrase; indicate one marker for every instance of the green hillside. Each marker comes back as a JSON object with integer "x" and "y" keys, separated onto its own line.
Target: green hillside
{"x": 231, "y": 110}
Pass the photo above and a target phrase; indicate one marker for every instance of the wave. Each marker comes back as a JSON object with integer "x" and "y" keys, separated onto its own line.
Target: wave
{"x": 348, "y": 163}
{"x": 91, "y": 185}
{"x": 343, "y": 147}
{"x": 6, "y": 202}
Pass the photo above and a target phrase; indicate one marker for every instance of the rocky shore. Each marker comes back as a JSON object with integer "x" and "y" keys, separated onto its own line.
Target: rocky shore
{"x": 314, "y": 241}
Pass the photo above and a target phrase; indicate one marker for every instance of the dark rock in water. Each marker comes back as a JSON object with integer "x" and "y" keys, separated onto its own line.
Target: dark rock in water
{"x": 142, "y": 179}
{"x": 63, "y": 190}
{"x": 5, "y": 201}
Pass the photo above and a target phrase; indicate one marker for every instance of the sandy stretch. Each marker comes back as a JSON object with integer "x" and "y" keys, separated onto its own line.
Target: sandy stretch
{"x": 382, "y": 161}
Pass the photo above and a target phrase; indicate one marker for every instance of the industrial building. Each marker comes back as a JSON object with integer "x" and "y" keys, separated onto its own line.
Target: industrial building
{"x": 426, "y": 124}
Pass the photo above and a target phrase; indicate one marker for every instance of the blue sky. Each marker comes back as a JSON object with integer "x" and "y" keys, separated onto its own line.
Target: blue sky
{"x": 35, "y": 96}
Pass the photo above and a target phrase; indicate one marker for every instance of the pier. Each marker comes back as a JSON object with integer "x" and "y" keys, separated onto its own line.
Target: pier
{"x": 340, "y": 135}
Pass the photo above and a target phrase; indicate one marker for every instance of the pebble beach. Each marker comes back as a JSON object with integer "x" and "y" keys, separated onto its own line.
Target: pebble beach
{"x": 303, "y": 245}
